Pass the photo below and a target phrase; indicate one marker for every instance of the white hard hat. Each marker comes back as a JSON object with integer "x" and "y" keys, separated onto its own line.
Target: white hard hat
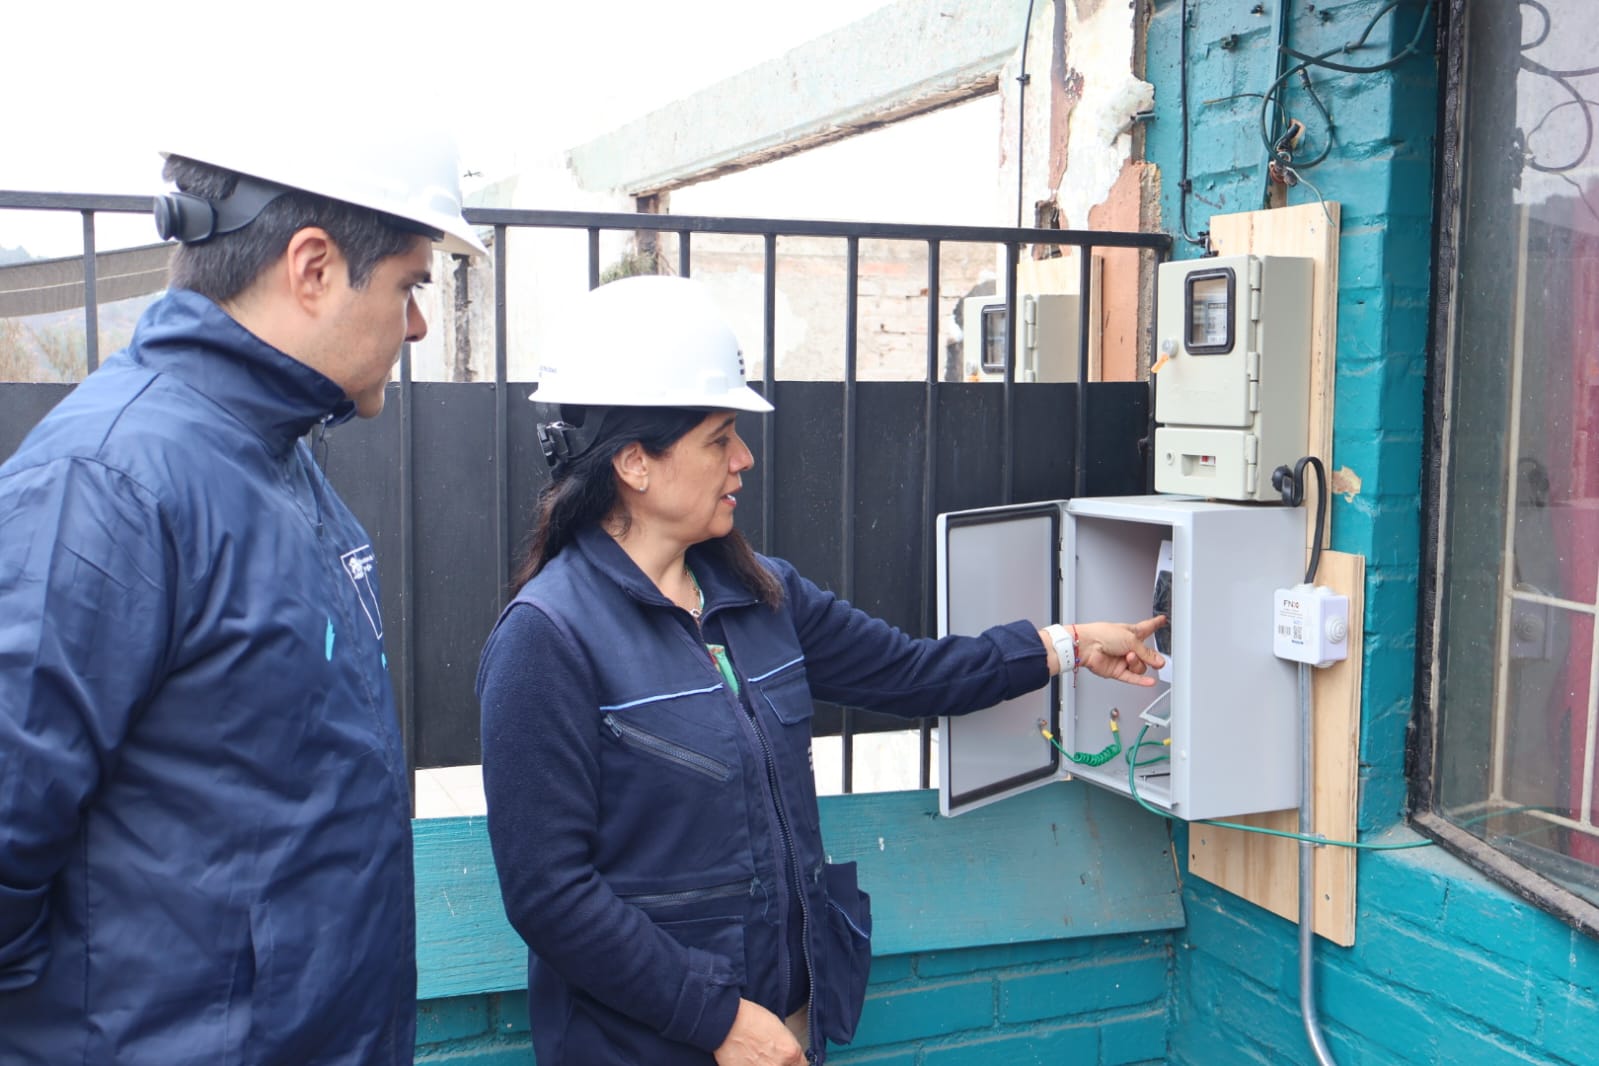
{"x": 646, "y": 341}
{"x": 410, "y": 172}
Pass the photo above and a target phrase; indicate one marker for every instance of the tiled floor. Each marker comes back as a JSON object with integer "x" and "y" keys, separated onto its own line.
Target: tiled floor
{"x": 884, "y": 762}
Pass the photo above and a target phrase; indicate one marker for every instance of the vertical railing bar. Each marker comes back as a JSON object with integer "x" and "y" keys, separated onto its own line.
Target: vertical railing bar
{"x": 683, "y": 253}
{"x": 852, "y": 259}
{"x": 929, "y": 489}
{"x": 769, "y": 382}
{"x": 1085, "y": 275}
{"x": 1007, "y": 426}
{"x": 502, "y": 417}
{"x": 91, "y": 297}
{"x": 408, "y": 574}
{"x": 594, "y": 257}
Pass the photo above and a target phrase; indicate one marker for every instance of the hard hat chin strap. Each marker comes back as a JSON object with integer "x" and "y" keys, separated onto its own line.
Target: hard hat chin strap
{"x": 191, "y": 219}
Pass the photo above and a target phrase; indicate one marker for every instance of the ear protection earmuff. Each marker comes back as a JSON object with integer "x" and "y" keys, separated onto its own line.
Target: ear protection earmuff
{"x": 191, "y": 219}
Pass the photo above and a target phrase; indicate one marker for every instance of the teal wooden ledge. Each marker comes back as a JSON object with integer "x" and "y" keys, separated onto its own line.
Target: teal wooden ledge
{"x": 1062, "y": 862}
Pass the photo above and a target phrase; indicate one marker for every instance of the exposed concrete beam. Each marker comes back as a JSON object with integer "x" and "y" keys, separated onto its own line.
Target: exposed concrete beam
{"x": 898, "y": 62}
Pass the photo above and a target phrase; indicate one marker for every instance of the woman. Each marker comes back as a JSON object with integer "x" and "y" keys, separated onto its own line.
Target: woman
{"x": 647, "y": 710}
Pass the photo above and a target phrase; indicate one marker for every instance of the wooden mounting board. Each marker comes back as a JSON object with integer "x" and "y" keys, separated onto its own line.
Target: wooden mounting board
{"x": 1262, "y": 869}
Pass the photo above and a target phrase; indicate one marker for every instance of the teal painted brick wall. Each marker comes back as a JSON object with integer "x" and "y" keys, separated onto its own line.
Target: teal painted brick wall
{"x": 1099, "y": 1000}
{"x": 998, "y": 948}
{"x": 486, "y": 1030}
{"x": 1447, "y": 967}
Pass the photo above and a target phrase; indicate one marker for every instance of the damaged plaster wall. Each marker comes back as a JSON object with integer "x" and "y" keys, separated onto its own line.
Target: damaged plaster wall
{"x": 1078, "y": 113}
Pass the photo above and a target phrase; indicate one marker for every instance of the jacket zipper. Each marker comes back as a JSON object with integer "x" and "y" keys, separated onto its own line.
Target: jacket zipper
{"x": 788, "y": 838}
{"x": 747, "y": 887}
{"x": 666, "y": 749}
{"x": 799, "y": 876}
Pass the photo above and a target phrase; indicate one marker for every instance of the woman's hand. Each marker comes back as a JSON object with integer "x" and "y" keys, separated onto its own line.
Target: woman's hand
{"x": 1113, "y": 649}
{"x": 758, "y": 1038}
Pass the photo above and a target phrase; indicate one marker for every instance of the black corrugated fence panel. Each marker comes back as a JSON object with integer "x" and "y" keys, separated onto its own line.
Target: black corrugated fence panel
{"x": 1118, "y": 427}
{"x": 458, "y": 591}
{"x": 808, "y": 465}
{"x": 458, "y": 596}
{"x": 361, "y": 459}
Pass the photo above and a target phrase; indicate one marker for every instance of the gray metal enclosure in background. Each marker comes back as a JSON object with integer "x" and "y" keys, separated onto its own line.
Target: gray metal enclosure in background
{"x": 849, "y": 477}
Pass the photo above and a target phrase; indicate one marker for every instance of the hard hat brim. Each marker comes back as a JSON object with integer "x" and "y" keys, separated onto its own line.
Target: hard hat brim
{"x": 742, "y": 398}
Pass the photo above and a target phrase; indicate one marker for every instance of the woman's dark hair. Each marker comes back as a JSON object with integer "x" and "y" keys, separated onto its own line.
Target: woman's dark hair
{"x": 584, "y": 492}
{"x": 223, "y": 266}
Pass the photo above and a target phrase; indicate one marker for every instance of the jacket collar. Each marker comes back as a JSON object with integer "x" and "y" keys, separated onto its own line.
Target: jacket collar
{"x": 275, "y": 395}
{"x": 721, "y": 589}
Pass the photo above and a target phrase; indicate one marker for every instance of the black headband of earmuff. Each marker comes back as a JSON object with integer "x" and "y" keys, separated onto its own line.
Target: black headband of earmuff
{"x": 191, "y": 219}
{"x": 572, "y": 433}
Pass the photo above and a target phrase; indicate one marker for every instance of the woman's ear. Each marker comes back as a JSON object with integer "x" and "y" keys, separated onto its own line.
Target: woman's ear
{"x": 632, "y": 467}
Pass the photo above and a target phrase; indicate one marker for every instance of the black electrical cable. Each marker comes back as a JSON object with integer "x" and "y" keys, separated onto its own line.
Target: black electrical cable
{"x": 1560, "y": 78}
{"x": 1577, "y": 98}
{"x": 1405, "y": 53}
{"x": 1291, "y": 483}
{"x": 1021, "y": 115}
{"x": 1184, "y": 185}
{"x": 1548, "y": 24}
{"x": 1322, "y": 60}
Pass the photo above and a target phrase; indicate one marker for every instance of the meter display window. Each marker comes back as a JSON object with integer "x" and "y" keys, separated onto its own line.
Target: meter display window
{"x": 1209, "y": 312}
{"x": 993, "y": 326}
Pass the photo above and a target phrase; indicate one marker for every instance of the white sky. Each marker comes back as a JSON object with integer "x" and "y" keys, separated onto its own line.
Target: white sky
{"x": 89, "y": 84}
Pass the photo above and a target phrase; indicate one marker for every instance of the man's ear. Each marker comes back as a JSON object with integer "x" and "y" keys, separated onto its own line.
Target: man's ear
{"x": 312, "y": 261}
{"x": 632, "y": 466}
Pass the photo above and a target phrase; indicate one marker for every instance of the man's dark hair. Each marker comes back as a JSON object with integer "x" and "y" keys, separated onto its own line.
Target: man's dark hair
{"x": 222, "y": 267}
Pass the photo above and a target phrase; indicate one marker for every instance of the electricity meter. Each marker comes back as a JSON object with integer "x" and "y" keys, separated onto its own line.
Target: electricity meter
{"x": 1232, "y": 385}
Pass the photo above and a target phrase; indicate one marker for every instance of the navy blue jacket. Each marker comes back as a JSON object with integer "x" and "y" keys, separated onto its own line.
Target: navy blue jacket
{"x": 205, "y": 845}
{"x": 647, "y": 823}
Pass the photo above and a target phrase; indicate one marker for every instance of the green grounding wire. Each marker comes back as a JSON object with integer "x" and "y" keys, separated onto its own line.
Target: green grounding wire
{"x": 1132, "y": 785}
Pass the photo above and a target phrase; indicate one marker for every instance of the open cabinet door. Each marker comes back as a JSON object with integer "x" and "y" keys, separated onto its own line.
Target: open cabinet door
{"x": 995, "y": 566}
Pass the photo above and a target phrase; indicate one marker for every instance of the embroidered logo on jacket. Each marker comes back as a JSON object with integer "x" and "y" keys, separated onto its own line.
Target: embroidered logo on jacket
{"x": 359, "y": 565}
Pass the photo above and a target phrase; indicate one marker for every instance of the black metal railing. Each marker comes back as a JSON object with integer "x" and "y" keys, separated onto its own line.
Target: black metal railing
{"x": 1120, "y": 421}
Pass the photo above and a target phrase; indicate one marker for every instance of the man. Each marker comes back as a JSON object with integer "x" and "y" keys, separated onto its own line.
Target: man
{"x": 205, "y": 847}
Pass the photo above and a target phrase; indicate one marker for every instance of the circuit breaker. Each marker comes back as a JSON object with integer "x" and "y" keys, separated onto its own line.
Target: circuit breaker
{"x": 1219, "y": 732}
{"x": 1232, "y": 380}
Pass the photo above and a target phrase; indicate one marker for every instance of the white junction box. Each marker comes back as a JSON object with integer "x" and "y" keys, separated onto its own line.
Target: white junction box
{"x": 1232, "y": 391}
{"x": 1229, "y": 707}
{"x": 1310, "y": 624}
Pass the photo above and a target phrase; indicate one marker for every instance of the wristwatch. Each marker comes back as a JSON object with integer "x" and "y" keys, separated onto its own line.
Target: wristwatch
{"x": 1065, "y": 642}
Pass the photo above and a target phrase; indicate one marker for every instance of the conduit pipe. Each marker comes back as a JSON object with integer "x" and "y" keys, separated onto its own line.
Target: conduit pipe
{"x": 1307, "y": 875}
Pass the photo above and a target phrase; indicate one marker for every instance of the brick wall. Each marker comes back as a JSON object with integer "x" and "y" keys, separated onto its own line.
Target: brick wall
{"x": 1101, "y": 1000}
{"x": 1447, "y": 968}
{"x": 1038, "y": 930}
{"x": 486, "y": 1030}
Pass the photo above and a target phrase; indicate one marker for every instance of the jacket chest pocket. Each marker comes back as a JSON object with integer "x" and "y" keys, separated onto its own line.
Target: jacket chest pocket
{"x": 784, "y": 694}
{"x": 672, "y": 753}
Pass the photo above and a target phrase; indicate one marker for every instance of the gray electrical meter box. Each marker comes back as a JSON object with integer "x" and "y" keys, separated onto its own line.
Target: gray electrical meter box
{"x": 1220, "y": 737}
{"x": 1232, "y": 390}
{"x": 1046, "y": 348}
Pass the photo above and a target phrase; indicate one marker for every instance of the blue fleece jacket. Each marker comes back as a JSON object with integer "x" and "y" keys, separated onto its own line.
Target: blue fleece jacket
{"x": 654, "y": 833}
{"x": 205, "y": 844}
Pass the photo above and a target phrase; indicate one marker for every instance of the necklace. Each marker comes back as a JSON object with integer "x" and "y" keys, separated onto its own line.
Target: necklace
{"x": 695, "y": 612}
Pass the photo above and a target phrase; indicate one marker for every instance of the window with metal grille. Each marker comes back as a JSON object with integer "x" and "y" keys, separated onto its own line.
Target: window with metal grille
{"x": 1506, "y": 762}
